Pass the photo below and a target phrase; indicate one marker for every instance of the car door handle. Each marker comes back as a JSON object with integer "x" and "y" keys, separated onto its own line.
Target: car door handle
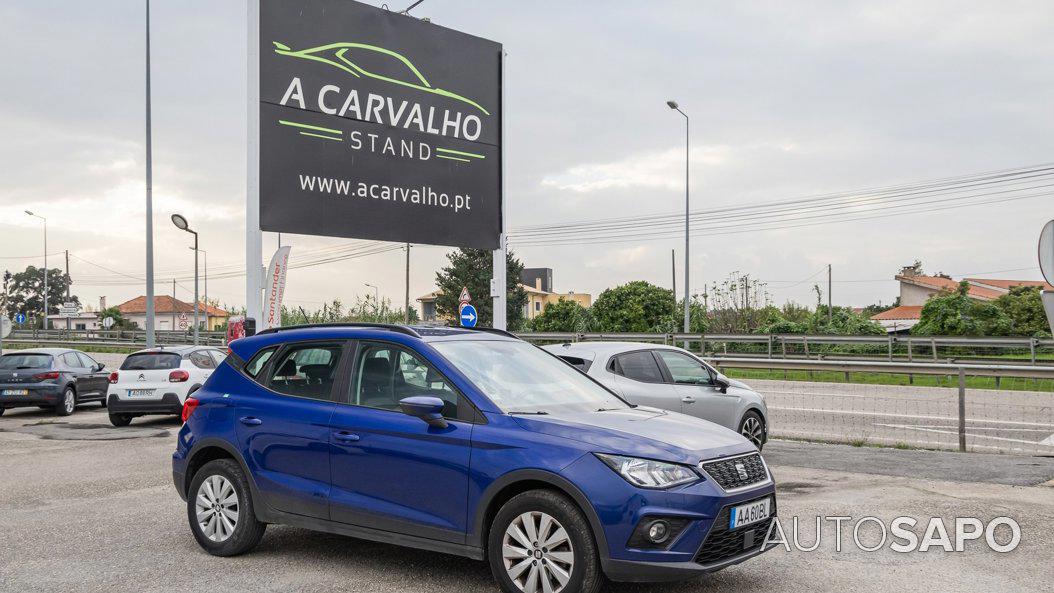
{"x": 688, "y": 399}
{"x": 250, "y": 421}
{"x": 345, "y": 436}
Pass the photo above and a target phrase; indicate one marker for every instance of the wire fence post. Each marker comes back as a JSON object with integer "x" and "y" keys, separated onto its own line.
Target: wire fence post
{"x": 962, "y": 409}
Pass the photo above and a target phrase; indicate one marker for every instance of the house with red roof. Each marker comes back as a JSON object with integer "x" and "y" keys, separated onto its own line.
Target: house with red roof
{"x": 171, "y": 313}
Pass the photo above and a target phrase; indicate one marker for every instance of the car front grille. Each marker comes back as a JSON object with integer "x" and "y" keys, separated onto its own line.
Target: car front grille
{"x": 723, "y": 543}
{"x": 736, "y": 472}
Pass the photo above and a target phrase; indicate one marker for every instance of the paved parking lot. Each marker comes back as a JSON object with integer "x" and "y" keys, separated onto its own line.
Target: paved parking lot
{"x": 100, "y": 514}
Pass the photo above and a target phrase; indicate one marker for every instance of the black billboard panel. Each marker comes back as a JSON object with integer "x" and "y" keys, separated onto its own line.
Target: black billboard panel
{"x": 377, "y": 125}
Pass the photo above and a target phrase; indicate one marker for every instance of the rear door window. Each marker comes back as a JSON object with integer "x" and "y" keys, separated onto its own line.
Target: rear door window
{"x": 152, "y": 361}
{"x": 639, "y": 366}
{"x": 306, "y": 370}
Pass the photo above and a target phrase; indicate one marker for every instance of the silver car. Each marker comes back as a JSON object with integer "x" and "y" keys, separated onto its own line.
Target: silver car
{"x": 672, "y": 379}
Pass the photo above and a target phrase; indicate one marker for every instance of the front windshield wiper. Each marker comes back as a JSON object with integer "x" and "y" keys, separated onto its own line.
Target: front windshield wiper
{"x": 535, "y": 413}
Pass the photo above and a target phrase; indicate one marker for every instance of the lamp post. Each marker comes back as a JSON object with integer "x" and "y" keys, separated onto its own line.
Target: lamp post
{"x": 205, "y": 277}
{"x": 45, "y": 320}
{"x": 687, "y": 254}
{"x": 376, "y": 300}
{"x": 182, "y": 224}
{"x": 149, "y": 198}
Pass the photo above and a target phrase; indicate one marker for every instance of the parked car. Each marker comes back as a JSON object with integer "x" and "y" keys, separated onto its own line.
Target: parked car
{"x": 56, "y": 378}
{"x": 673, "y": 379}
{"x": 158, "y": 381}
{"x": 467, "y": 442}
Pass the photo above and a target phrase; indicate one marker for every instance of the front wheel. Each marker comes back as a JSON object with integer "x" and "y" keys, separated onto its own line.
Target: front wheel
{"x": 220, "y": 510}
{"x": 68, "y": 403}
{"x": 540, "y": 541}
{"x": 753, "y": 428}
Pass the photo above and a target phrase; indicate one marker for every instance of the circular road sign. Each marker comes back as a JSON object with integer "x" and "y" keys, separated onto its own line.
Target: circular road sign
{"x": 1046, "y": 251}
{"x": 107, "y": 322}
{"x": 469, "y": 317}
{"x": 20, "y": 318}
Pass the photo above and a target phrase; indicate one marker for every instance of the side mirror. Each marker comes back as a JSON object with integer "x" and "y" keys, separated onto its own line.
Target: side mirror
{"x": 99, "y": 367}
{"x": 427, "y": 408}
{"x": 722, "y": 383}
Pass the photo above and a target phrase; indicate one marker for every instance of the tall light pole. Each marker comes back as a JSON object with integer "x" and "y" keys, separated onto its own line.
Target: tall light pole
{"x": 687, "y": 253}
{"x": 182, "y": 224}
{"x": 149, "y": 200}
{"x": 45, "y": 321}
{"x": 376, "y": 300}
{"x": 205, "y": 276}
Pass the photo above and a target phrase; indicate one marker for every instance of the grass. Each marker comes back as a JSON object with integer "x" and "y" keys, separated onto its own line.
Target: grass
{"x": 858, "y": 442}
{"x": 1006, "y": 384}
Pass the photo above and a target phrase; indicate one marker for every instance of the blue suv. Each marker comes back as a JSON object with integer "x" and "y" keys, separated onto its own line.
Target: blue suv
{"x": 466, "y": 442}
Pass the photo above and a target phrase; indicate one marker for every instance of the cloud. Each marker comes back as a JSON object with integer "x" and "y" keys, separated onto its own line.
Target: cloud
{"x": 662, "y": 169}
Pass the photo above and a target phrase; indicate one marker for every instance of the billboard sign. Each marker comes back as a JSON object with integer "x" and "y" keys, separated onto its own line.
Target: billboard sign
{"x": 377, "y": 125}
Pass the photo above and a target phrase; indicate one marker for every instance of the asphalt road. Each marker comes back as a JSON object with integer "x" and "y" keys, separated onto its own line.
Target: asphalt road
{"x": 85, "y": 508}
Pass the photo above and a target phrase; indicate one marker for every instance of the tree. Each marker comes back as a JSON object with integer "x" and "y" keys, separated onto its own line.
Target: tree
{"x": 738, "y": 305}
{"x": 25, "y": 291}
{"x": 115, "y": 314}
{"x": 473, "y": 269}
{"x": 1024, "y": 306}
{"x": 956, "y": 314}
{"x": 635, "y": 307}
{"x": 563, "y": 316}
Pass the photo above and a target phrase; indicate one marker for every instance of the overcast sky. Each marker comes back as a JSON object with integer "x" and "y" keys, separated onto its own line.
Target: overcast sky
{"x": 786, "y": 99}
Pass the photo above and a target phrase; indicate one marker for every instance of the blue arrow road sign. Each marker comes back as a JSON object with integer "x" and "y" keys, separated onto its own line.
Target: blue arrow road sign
{"x": 468, "y": 315}
{"x": 20, "y": 318}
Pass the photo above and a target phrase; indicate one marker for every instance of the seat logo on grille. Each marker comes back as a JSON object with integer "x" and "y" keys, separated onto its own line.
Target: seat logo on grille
{"x": 742, "y": 469}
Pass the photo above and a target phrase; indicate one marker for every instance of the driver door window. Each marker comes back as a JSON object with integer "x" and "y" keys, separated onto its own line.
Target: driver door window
{"x": 684, "y": 369}
{"x": 385, "y": 374}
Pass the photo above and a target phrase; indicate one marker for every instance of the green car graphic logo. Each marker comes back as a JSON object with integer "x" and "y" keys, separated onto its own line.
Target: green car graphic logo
{"x": 337, "y": 55}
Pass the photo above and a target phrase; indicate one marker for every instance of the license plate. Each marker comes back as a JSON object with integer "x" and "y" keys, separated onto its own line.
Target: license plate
{"x": 746, "y": 514}
{"x": 16, "y": 392}
{"x": 140, "y": 392}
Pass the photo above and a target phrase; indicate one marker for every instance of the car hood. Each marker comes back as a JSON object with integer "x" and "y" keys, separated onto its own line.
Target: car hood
{"x": 643, "y": 432}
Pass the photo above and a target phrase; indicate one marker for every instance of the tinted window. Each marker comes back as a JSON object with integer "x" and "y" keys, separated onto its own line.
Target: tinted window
{"x": 25, "y": 361}
{"x": 202, "y": 360}
{"x": 639, "y": 366}
{"x": 306, "y": 370}
{"x": 684, "y": 368}
{"x": 385, "y": 374}
{"x": 252, "y": 368}
{"x": 151, "y": 361}
{"x": 71, "y": 360}
{"x": 86, "y": 361}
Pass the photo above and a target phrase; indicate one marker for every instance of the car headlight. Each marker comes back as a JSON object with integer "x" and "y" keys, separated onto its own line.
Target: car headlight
{"x": 647, "y": 473}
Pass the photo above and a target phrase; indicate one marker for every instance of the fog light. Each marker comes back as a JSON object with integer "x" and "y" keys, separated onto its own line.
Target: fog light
{"x": 658, "y": 531}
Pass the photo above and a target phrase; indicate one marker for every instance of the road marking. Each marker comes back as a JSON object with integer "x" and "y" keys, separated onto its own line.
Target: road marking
{"x": 894, "y": 415}
{"x": 1049, "y": 441}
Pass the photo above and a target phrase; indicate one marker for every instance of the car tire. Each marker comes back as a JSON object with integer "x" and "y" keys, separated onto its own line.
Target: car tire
{"x": 68, "y": 403}
{"x": 570, "y": 559}
{"x": 752, "y": 426}
{"x": 223, "y": 541}
{"x": 120, "y": 420}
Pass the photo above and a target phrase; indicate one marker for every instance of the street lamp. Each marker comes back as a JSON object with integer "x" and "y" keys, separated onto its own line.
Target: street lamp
{"x": 376, "y": 300}
{"x": 45, "y": 321}
{"x": 205, "y": 275}
{"x": 182, "y": 224}
{"x": 673, "y": 105}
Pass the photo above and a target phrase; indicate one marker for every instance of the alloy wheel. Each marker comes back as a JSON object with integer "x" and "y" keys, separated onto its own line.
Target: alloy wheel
{"x": 752, "y": 430}
{"x": 537, "y": 553}
{"x": 69, "y": 401}
{"x": 217, "y": 508}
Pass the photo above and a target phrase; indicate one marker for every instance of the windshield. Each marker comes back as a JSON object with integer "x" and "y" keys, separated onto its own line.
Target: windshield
{"x": 520, "y": 378}
{"x": 25, "y": 361}
{"x": 151, "y": 361}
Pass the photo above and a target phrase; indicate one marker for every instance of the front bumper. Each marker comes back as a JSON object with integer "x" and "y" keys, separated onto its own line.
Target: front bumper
{"x": 168, "y": 404}
{"x": 39, "y": 394}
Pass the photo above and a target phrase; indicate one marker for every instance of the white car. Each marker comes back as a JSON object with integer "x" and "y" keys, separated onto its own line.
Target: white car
{"x": 671, "y": 378}
{"x": 158, "y": 381}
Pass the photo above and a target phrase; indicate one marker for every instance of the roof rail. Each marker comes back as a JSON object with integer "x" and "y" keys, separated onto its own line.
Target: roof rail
{"x": 389, "y": 326}
{"x": 492, "y": 330}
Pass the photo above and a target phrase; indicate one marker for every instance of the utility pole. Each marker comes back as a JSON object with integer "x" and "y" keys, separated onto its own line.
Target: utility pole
{"x": 406, "y": 303}
{"x": 67, "y": 289}
{"x": 149, "y": 200}
{"x": 830, "y": 311}
{"x": 673, "y": 276}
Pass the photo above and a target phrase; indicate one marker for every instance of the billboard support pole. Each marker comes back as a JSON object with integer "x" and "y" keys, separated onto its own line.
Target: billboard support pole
{"x": 500, "y": 283}
{"x": 253, "y": 234}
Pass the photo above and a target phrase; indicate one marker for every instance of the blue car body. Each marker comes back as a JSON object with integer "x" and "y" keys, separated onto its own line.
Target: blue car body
{"x": 390, "y": 477}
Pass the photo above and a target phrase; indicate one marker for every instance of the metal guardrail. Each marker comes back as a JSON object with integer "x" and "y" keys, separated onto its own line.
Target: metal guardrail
{"x": 896, "y": 367}
{"x": 109, "y": 338}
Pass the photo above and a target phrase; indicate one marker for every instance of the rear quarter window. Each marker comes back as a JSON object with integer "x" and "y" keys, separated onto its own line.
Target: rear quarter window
{"x": 151, "y": 361}
{"x": 579, "y": 363}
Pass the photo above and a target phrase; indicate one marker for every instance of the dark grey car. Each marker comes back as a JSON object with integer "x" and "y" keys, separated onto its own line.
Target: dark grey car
{"x": 56, "y": 378}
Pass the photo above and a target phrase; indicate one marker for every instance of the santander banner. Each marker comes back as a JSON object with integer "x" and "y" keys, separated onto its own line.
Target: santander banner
{"x": 275, "y": 287}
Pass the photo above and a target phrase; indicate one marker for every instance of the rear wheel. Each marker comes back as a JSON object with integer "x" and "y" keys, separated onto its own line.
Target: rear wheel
{"x": 541, "y": 542}
{"x": 67, "y": 404}
{"x": 753, "y": 428}
{"x": 120, "y": 419}
{"x": 220, "y": 510}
